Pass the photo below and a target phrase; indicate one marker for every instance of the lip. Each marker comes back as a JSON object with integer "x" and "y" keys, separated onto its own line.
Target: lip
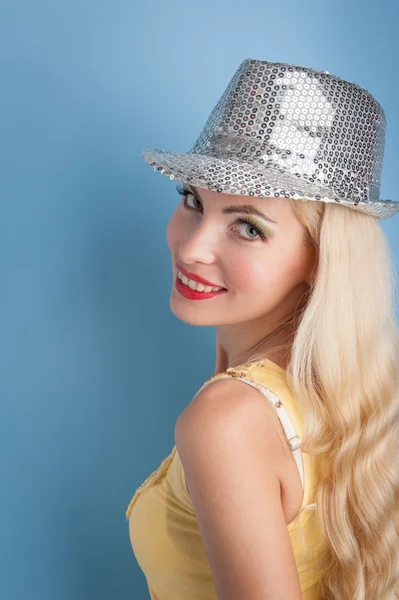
{"x": 196, "y": 277}
{"x": 191, "y": 294}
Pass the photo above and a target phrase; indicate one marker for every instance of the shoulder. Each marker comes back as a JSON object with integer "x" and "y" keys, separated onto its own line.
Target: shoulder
{"x": 229, "y": 445}
{"x": 229, "y": 407}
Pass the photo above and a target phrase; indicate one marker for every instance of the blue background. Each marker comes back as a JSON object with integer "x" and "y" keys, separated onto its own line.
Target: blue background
{"x": 95, "y": 368}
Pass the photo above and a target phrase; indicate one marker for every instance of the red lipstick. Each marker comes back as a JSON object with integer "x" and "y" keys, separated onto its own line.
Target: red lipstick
{"x": 187, "y": 292}
{"x": 196, "y": 277}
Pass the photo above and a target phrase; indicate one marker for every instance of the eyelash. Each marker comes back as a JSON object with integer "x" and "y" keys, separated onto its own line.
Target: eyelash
{"x": 262, "y": 236}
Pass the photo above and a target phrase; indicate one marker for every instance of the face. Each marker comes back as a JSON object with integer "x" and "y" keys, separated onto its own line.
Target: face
{"x": 264, "y": 264}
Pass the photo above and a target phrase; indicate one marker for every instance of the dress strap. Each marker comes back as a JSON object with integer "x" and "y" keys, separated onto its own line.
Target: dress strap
{"x": 289, "y": 430}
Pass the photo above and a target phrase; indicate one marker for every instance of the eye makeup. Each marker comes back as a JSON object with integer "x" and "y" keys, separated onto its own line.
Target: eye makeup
{"x": 264, "y": 233}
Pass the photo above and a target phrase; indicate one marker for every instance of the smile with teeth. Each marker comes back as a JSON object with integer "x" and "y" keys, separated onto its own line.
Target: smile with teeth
{"x": 195, "y": 285}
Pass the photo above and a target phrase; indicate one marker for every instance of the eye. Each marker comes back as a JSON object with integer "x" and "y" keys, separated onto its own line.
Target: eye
{"x": 253, "y": 225}
{"x": 185, "y": 201}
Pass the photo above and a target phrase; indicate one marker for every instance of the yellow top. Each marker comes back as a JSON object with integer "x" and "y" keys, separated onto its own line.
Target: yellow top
{"x": 163, "y": 529}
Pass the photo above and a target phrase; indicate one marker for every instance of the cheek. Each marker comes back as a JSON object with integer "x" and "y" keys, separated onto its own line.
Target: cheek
{"x": 249, "y": 274}
{"x": 261, "y": 274}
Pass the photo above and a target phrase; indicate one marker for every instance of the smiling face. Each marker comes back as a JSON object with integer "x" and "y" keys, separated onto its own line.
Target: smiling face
{"x": 264, "y": 263}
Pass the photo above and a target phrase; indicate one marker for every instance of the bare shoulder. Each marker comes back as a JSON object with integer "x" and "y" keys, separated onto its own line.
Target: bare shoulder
{"x": 229, "y": 404}
{"x": 228, "y": 443}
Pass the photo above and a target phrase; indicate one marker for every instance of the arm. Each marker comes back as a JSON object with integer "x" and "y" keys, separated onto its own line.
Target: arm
{"x": 229, "y": 447}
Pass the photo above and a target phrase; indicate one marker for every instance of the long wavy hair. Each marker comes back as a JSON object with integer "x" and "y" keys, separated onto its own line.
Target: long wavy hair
{"x": 342, "y": 365}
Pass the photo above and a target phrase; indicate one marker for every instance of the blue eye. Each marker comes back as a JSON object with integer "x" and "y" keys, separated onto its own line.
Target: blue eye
{"x": 254, "y": 225}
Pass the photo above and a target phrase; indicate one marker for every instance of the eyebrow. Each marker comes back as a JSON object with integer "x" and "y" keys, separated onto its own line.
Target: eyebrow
{"x": 246, "y": 209}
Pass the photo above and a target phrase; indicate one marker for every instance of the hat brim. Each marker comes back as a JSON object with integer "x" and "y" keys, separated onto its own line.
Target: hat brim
{"x": 209, "y": 172}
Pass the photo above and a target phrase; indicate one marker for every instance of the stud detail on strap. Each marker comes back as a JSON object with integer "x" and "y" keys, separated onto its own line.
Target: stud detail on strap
{"x": 294, "y": 442}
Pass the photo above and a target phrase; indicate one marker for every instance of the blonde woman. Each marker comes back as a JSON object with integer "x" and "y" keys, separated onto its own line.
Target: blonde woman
{"x": 283, "y": 483}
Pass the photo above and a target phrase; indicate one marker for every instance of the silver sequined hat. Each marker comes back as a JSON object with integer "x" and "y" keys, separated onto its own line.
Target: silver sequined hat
{"x": 284, "y": 130}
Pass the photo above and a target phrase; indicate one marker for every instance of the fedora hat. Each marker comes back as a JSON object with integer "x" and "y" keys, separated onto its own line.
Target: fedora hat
{"x": 281, "y": 130}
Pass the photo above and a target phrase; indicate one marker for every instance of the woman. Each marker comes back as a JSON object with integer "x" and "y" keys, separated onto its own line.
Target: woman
{"x": 288, "y": 486}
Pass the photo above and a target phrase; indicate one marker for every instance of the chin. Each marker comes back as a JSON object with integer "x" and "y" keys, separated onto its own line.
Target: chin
{"x": 191, "y": 313}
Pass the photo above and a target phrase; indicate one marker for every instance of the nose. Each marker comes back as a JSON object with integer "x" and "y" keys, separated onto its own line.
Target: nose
{"x": 200, "y": 245}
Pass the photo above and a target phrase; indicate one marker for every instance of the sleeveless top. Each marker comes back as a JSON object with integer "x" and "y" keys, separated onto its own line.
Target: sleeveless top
{"x": 163, "y": 529}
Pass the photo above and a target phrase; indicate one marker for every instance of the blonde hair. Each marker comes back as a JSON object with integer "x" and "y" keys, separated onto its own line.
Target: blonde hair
{"x": 343, "y": 367}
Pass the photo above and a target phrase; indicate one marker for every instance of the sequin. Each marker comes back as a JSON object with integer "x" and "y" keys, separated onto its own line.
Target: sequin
{"x": 290, "y": 131}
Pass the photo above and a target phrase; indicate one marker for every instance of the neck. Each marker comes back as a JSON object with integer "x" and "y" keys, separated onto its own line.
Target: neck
{"x": 275, "y": 346}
